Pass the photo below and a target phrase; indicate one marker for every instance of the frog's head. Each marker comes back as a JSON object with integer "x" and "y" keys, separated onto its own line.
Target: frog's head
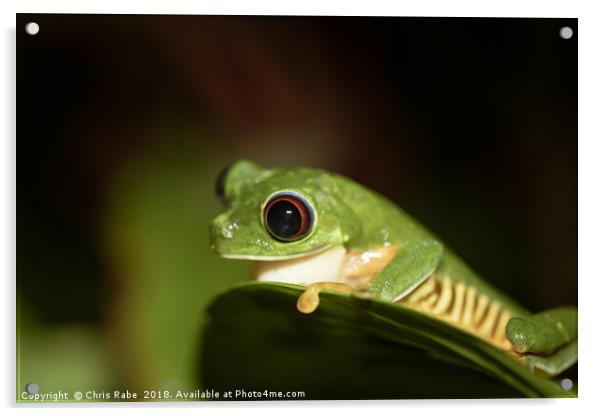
{"x": 278, "y": 214}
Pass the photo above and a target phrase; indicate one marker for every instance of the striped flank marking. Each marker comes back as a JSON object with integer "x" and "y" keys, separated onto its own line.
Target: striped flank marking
{"x": 462, "y": 306}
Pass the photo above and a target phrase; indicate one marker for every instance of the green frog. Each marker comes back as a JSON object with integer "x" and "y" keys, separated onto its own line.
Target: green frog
{"x": 323, "y": 231}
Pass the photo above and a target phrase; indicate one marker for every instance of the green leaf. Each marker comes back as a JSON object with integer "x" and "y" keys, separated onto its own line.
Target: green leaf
{"x": 256, "y": 340}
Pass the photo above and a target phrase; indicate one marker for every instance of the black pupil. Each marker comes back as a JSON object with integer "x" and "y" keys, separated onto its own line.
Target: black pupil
{"x": 284, "y": 219}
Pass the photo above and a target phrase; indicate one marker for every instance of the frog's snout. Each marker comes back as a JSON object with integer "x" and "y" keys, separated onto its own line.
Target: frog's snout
{"x": 222, "y": 230}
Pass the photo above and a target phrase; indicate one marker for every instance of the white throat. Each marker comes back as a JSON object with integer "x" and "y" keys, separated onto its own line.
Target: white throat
{"x": 321, "y": 267}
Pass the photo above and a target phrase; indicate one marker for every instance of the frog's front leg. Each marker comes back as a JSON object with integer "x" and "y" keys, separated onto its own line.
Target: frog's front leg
{"x": 414, "y": 263}
{"x": 405, "y": 271}
{"x": 548, "y": 339}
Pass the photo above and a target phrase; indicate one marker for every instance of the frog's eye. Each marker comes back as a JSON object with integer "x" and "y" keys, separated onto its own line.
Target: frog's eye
{"x": 288, "y": 216}
{"x": 220, "y": 185}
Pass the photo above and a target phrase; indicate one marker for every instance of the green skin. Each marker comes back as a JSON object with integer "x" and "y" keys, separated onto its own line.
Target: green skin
{"x": 350, "y": 215}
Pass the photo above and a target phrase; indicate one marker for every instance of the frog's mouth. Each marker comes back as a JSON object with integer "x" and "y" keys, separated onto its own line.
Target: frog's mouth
{"x": 323, "y": 265}
{"x": 259, "y": 257}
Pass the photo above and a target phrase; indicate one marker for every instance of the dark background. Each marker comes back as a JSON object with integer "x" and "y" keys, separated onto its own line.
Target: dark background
{"x": 123, "y": 122}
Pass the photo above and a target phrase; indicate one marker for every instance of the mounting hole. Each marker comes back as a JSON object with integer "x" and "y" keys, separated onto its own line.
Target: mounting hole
{"x": 32, "y": 388}
{"x": 32, "y": 28}
{"x": 566, "y": 384}
{"x": 565, "y": 32}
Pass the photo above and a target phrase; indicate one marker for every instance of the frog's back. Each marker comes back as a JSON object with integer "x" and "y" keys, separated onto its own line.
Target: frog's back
{"x": 383, "y": 223}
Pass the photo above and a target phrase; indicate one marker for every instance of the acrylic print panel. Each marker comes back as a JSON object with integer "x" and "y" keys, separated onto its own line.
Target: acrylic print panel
{"x": 395, "y": 216}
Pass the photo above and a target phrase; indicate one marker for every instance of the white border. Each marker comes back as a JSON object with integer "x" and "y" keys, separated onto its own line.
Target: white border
{"x": 508, "y": 8}
{"x": 590, "y": 207}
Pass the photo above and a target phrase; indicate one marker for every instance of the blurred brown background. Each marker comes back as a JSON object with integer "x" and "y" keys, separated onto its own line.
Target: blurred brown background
{"x": 124, "y": 121}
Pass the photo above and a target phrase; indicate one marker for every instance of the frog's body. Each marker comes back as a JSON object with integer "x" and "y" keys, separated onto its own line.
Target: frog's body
{"x": 312, "y": 227}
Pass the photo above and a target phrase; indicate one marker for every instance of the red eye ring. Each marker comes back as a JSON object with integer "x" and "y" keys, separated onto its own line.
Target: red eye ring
{"x": 288, "y": 216}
